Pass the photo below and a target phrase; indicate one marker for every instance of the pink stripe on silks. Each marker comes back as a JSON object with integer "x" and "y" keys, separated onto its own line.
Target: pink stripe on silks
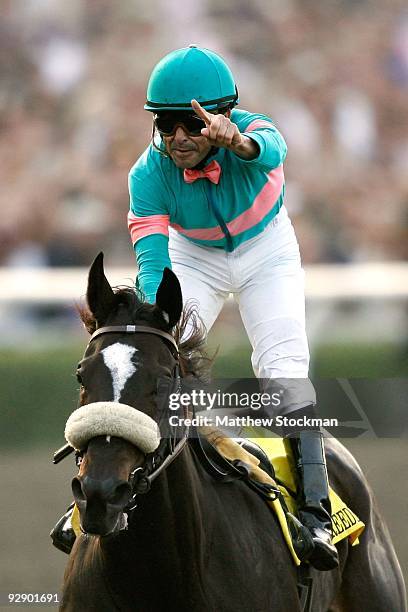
{"x": 140, "y": 227}
{"x": 263, "y": 203}
{"x": 258, "y": 123}
{"x": 205, "y": 233}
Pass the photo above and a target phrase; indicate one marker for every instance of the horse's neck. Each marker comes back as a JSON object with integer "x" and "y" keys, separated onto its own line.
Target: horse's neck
{"x": 175, "y": 504}
{"x": 85, "y": 584}
{"x": 166, "y": 537}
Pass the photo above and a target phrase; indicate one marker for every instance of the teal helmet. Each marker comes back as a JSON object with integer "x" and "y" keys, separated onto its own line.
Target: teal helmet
{"x": 190, "y": 73}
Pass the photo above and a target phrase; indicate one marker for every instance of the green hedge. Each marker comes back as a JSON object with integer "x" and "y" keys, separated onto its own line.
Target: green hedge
{"x": 331, "y": 361}
{"x": 38, "y": 389}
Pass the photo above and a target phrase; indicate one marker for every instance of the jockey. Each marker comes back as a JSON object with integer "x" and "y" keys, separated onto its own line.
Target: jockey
{"x": 207, "y": 200}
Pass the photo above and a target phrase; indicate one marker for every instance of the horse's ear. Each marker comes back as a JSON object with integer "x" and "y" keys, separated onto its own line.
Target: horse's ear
{"x": 99, "y": 295}
{"x": 169, "y": 299}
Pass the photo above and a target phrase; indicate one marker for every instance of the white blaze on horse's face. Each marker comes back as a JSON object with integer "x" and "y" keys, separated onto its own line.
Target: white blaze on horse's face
{"x": 118, "y": 358}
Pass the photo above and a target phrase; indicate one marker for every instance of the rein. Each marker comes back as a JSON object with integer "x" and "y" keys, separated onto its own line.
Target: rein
{"x": 142, "y": 477}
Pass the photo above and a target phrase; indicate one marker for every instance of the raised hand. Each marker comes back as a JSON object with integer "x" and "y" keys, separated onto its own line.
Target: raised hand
{"x": 222, "y": 132}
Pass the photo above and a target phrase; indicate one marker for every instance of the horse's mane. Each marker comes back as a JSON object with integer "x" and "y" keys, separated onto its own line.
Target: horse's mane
{"x": 194, "y": 359}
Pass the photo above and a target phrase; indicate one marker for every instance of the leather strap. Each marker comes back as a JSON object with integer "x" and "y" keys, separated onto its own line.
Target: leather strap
{"x": 212, "y": 461}
{"x": 133, "y": 329}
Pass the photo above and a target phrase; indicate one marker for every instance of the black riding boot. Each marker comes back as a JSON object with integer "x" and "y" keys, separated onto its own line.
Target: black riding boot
{"x": 313, "y": 495}
{"x": 62, "y": 535}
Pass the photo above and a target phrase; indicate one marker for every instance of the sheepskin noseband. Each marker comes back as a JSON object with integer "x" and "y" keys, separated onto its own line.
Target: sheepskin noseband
{"x": 112, "y": 419}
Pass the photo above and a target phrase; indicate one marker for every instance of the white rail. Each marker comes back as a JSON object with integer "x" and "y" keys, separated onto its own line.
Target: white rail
{"x": 335, "y": 282}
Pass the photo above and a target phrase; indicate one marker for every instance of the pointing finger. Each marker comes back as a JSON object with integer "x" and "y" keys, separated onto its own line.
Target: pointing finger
{"x": 201, "y": 112}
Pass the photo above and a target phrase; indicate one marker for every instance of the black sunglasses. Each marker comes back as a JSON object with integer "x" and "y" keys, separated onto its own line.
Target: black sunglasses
{"x": 167, "y": 123}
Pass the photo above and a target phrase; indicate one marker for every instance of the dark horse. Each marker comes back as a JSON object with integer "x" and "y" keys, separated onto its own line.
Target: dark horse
{"x": 192, "y": 544}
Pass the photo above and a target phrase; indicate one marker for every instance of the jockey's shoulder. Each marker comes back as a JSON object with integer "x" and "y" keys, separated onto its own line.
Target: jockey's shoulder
{"x": 244, "y": 119}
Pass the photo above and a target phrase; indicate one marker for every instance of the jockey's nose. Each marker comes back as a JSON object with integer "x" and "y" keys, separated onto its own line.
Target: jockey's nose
{"x": 180, "y": 134}
{"x": 112, "y": 491}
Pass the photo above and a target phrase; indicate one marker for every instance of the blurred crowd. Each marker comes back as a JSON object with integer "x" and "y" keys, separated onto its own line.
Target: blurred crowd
{"x": 333, "y": 75}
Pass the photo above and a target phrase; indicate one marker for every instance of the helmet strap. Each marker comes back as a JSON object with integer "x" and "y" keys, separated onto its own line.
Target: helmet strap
{"x": 162, "y": 152}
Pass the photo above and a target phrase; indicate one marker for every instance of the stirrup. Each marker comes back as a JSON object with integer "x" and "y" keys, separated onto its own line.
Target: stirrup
{"x": 324, "y": 556}
{"x": 301, "y": 537}
{"x": 62, "y": 535}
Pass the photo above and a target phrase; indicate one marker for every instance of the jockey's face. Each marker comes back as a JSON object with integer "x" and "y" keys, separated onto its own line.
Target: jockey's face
{"x": 185, "y": 150}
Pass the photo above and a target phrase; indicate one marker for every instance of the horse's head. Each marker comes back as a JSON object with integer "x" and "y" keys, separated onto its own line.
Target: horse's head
{"x": 115, "y": 429}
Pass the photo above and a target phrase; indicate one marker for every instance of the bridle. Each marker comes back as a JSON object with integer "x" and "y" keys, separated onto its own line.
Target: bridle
{"x": 169, "y": 448}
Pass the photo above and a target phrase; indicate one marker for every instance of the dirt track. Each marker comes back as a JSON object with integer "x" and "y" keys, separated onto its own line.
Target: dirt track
{"x": 34, "y": 494}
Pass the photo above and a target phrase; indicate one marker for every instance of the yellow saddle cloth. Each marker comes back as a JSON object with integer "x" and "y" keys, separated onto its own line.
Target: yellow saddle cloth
{"x": 346, "y": 524}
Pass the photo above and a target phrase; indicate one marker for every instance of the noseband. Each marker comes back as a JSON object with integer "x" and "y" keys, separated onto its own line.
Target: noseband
{"x": 142, "y": 477}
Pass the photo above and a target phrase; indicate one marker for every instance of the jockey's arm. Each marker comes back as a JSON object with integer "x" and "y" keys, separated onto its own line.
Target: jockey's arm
{"x": 148, "y": 222}
{"x": 271, "y": 145}
{"x": 253, "y": 138}
{"x": 152, "y": 256}
{"x": 247, "y": 149}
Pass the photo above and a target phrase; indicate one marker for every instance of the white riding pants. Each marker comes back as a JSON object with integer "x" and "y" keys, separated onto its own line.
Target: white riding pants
{"x": 266, "y": 278}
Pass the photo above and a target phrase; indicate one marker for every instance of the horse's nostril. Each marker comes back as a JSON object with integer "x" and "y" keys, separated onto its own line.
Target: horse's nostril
{"x": 120, "y": 496}
{"x": 77, "y": 490}
{"x": 87, "y": 489}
